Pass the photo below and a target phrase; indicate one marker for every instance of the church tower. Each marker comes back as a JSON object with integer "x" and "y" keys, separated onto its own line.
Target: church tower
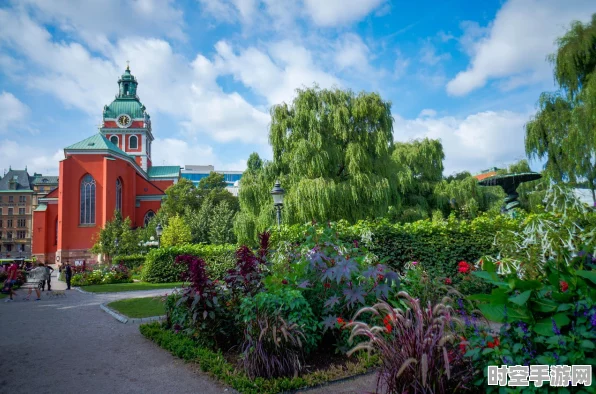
{"x": 127, "y": 124}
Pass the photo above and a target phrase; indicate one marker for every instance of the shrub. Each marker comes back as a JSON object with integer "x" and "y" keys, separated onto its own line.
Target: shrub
{"x": 550, "y": 321}
{"x": 102, "y": 276}
{"x": 159, "y": 266}
{"x": 131, "y": 261}
{"x": 290, "y": 306}
{"x": 437, "y": 245}
{"x": 418, "y": 348}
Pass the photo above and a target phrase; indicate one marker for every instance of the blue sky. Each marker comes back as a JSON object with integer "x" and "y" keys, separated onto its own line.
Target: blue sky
{"x": 467, "y": 72}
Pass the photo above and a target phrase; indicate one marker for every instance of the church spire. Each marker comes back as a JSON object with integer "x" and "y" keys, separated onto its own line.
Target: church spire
{"x": 128, "y": 84}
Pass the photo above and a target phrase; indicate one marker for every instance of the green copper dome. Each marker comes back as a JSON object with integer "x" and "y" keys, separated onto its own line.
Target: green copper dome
{"x": 127, "y": 101}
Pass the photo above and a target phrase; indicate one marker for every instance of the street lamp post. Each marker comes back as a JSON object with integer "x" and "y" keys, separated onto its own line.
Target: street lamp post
{"x": 278, "y": 201}
{"x": 158, "y": 231}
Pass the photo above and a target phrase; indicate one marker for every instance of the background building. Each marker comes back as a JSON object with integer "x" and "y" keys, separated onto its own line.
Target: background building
{"x": 15, "y": 214}
{"x": 195, "y": 173}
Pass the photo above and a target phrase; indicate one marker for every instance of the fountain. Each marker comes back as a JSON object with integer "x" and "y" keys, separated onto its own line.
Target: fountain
{"x": 509, "y": 183}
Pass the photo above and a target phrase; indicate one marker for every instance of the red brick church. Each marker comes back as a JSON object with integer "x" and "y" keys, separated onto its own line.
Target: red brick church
{"x": 108, "y": 171}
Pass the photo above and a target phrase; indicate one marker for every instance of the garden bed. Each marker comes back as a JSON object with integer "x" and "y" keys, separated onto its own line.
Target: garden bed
{"x": 139, "y": 307}
{"x": 324, "y": 368}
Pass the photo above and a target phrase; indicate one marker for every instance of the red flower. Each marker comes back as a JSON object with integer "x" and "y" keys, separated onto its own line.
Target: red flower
{"x": 387, "y": 322}
{"x": 285, "y": 281}
{"x": 498, "y": 263}
{"x": 340, "y": 321}
{"x": 494, "y": 344}
{"x": 464, "y": 267}
{"x": 380, "y": 277}
{"x": 327, "y": 285}
{"x": 564, "y": 286}
{"x": 448, "y": 281}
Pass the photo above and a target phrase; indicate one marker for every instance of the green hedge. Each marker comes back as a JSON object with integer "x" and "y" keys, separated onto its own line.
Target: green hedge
{"x": 159, "y": 265}
{"x": 437, "y": 246}
{"x": 131, "y": 261}
{"x": 216, "y": 365}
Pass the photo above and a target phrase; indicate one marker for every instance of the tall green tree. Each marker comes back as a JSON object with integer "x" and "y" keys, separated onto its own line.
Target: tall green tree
{"x": 419, "y": 167}
{"x": 179, "y": 197}
{"x": 254, "y": 163}
{"x": 213, "y": 181}
{"x": 563, "y": 131}
{"x": 116, "y": 238}
{"x": 332, "y": 154}
{"x": 221, "y": 224}
{"x": 176, "y": 232}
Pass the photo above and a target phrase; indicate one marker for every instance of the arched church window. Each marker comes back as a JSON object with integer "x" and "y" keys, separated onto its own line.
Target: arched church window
{"x": 114, "y": 140}
{"x": 148, "y": 216}
{"x": 118, "y": 195}
{"x": 133, "y": 143}
{"x": 87, "y": 209}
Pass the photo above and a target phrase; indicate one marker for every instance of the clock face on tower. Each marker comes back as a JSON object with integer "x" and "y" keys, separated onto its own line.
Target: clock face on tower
{"x": 124, "y": 121}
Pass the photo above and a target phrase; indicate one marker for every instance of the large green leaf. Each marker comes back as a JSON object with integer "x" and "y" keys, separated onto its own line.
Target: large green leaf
{"x": 545, "y": 326}
{"x": 590, "y": 275}
{"x": 496, "y": 313}
{"x": 544, "y": 305}
{"x": 522, "y": 298}
{"x": 490, "y": 277}
{"x": 527, "y": 284}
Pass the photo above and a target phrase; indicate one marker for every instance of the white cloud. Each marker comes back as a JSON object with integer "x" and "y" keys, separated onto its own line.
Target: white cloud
{"x": 274, "y": 74}
{"x": 13, "y": 112}
{"x": 517, "y": 42}
{"x": 401, "y": 65}
{"x": 168, "y": 82}
{"x": 427, "y": 113}
{"x": 473, "y": 143}
{"x": 37, "y": 159}
{"x": 331, "y": 13}
{"x": 352, "y": 53}
{"x": 99, "y": 21}
{"x": 428, "y": 55}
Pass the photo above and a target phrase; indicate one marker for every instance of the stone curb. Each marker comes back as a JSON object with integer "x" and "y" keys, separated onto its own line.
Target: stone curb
{"x": 123, "y": 319}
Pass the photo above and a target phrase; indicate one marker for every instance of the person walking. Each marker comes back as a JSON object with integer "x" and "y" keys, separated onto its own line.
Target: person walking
{"x": 48, "y": 277}
{"x": 13, "y": 271}
{"x": 68, "y": 274}
{"x": 34, "y": 279}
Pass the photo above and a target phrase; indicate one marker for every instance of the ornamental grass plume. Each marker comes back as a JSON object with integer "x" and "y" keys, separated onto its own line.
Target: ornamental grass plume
{"x": 418, "y": 348}
{"x": 272, "y": 347}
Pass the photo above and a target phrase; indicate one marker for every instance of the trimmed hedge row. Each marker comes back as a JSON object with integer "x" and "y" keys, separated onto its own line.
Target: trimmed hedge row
{"x": 160, "y": 267}
{"x": 131, "y": 261}
{"x": 437, "y": 246}
{"x": 216, "y": 365}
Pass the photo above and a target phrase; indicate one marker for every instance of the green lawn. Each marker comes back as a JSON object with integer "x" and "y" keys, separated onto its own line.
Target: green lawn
{"x": 139, "y": 307}
{"x": 113, "y": 288}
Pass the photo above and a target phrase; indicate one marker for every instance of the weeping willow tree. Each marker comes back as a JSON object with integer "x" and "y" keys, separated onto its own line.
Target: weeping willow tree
{"x": 419, "y": 167}
{"x": 464, "y": 196}
{"x": 332, "y": 154}
{"x": 563, "y": 131}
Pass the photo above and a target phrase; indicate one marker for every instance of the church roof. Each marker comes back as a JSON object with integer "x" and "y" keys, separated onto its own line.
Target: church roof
{"x": 96, "y": 142}
{"x": 126, "y": 101}
{"x": 18, "y": 178}
{"x": 132, "y": 107}
{"x": 164, "y": 172}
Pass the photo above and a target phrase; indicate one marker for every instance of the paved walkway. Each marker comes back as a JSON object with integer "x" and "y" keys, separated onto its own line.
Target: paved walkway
{"x": 69, "y": 345}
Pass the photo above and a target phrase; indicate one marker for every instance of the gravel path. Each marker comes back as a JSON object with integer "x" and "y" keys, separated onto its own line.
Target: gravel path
{"x": 69, "y": 345}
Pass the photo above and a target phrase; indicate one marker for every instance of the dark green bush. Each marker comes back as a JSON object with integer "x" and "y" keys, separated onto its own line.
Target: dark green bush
{"x": 130, "y": 261}
{"x": 437, "y": 246}
{"x": 159, "y": 265}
